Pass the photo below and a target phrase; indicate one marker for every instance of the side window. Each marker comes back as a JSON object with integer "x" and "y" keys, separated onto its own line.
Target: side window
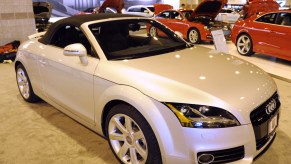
{"x": 176, "y": 15}
{"x": 223, "y": 11}
{"x": 69, "y": 35}
{"x": 144, "y": 10}
{"x": 135, "y": 9}
{"x": 268, "y": 18}
{"x": 228, "y": 11}
{"x": 165, "y": 14}
{"x": 284, "y": 19}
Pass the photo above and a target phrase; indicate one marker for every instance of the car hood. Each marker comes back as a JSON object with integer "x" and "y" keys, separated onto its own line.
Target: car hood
{"x": 195, "y": 75}
{"x": 161, "y": 7}
{"x": 257, "y": 6}
{"x": 208, "y": 8}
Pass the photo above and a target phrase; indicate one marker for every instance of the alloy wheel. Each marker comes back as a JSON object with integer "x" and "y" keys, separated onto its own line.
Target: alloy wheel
{"x": 244, "y": 45}
{"x": 194, "y": 36}
{"x": 23, "y": 83}
{"x": 153, "y": 31}
{"x": 127, "y": 139}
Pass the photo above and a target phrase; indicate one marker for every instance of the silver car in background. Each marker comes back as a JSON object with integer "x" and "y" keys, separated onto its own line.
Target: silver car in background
{"x": 155, "y": 99}
{"x": 141, "y": 10}
{"x": 228, "y": 15}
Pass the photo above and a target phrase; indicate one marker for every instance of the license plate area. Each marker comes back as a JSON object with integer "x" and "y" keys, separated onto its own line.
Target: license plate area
{"x": 272, "y": 125}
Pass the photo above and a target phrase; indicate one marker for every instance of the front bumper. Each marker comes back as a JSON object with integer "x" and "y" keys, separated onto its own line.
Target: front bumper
{"x": 241, "y": 144}
{"x": 220, "y": 142}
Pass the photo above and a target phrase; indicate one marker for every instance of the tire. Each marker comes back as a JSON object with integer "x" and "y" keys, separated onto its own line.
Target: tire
{"x": 24, "y": 85}
{"x": 153, "y": 31}
{"x": 130, "y": 136}
{"x": 244, "y": 45}
{"x": 194, "y": 36}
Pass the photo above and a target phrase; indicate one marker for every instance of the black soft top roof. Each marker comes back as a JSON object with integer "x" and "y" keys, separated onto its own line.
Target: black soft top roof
{"x": 77, "y": 21}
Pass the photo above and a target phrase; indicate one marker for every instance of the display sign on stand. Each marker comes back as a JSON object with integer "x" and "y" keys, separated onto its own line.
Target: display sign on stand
{"x": 219, "y": 41}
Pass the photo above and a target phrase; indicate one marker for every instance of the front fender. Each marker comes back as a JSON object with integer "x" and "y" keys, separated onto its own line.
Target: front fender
{"x": 162, "y": 120}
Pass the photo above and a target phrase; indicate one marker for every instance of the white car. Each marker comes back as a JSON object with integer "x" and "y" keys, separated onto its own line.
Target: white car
{"x": 155, "y": 99}
{"x": 141, "y": 10}
{"x": 227, "y": 15}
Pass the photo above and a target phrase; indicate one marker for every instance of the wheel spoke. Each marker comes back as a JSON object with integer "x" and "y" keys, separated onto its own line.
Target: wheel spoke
{"x": 141, "y": 151}
{"x": 120, "y": 126}
{"x": 240, "y": 44}
{"x": 138, "y": 135}
{"x": 20, "y": 83}
{"x": 116, "y": 136}
{"x": 245, "y": 39}
{"x": 133, "y": 156}
{"x": 123, "y": 150}
{"x": 128, "y": 125}
{"x": 21, "y": 76}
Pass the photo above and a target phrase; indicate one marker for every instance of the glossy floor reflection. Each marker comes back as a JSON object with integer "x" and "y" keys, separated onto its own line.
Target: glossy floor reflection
{"x": 39, "y": 133}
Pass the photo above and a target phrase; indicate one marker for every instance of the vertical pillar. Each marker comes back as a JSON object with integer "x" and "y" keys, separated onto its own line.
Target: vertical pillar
{"x": 288, "y": 3}
{"x": 16, "y": 20}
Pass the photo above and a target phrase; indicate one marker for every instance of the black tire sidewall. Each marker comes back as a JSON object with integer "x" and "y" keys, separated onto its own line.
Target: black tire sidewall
{"x": 152, "y": 144}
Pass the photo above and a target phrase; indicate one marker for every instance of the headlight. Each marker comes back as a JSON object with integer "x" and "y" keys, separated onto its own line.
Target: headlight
{"x": 206, "y": 28}
{"x": 200, "y": 116}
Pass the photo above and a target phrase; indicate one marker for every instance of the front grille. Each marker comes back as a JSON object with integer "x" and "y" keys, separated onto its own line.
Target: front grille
{"x": 226, "y": 155}
{"x": 259, "y": 115}
{"x": 260, "y": 120}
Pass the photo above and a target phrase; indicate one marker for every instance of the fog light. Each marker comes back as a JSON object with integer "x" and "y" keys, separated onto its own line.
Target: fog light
{"x": 205, "y": 158}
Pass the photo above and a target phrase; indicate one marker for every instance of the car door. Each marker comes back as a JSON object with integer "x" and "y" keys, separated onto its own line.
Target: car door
{"x": 177, "y": 22}
{"x": 66, "y": 81}
{"x": 164, "y": 17}
{"x": 262, "y": 32}
{"x": 281, "y": 35}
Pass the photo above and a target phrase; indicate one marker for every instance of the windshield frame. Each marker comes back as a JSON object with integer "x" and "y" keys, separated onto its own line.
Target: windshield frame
{"x": 172, "y": 36}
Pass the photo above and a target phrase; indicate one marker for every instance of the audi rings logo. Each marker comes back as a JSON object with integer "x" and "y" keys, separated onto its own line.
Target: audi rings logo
{"x": 271, "y": 106}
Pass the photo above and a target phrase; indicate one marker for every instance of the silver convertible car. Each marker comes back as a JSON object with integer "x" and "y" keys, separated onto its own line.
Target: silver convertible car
{"x": 155, "y": 99}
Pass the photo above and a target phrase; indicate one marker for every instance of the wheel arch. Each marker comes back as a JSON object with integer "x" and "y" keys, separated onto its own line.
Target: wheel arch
{"x": 193, "y": 27}
{"x": 17, "y": 63}
{"x": 240, "y": 34}
{"x": 106, "y": 110}
{"x": 152, "y": 110}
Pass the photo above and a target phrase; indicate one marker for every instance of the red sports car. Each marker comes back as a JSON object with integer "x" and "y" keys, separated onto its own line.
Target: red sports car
{"x": 268, "y": 32}
{"x": 195, "y": 25}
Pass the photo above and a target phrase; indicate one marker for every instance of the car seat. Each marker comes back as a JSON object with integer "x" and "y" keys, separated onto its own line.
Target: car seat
{"x": 286, "y": 21}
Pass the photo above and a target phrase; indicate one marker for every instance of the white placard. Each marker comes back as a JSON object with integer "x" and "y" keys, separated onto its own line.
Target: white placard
{"x": 219, "y": 41}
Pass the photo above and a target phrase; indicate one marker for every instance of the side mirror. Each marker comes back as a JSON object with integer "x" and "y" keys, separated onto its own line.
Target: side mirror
{"x": 77, "y": 49}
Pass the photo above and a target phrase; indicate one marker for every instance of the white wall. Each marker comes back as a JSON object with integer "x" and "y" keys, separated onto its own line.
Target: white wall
{"x": 174, "y": 3}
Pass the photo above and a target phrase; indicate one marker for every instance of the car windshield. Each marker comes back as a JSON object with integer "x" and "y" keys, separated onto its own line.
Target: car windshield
{"x": 135, "y": 38}
{"x": 152, "y": 9}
